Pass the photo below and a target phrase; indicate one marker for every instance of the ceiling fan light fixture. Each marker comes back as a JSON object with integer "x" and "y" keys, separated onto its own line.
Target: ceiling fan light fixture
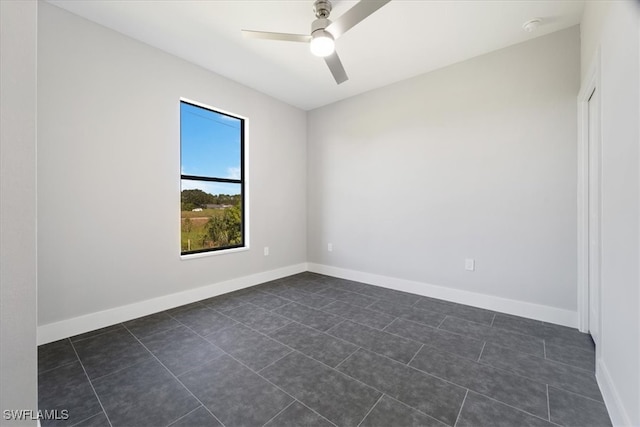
{"x": 324, "y": 32}
{"x": 322, "y": 43}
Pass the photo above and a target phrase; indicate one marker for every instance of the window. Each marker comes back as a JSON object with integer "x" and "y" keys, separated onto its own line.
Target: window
{"x": 212, "y": 180}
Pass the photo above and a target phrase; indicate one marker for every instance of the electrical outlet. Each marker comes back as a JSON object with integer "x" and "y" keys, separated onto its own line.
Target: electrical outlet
{"x": 469, "y": 264}
{"x": 330, "y": 247}
{"x": 266, "y": 251}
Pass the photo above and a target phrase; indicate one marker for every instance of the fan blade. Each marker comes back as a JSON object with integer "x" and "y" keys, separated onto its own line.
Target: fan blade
{"x": 276, "y": 36}
{"x": 354, "y": 15}
{"x": 336, "y": 68}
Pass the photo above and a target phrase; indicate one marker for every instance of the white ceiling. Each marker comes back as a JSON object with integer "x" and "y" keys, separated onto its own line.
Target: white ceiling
{"x": 403, "y": 39}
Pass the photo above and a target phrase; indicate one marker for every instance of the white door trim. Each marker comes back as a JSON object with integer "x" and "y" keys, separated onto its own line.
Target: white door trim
{"x": 589, "y": 84}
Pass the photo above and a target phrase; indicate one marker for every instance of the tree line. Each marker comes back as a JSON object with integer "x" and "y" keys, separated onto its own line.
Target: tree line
{"x": 192, "y": 199}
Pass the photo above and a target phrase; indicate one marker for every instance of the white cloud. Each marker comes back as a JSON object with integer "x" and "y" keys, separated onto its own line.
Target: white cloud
{"x": 233, "y": 173}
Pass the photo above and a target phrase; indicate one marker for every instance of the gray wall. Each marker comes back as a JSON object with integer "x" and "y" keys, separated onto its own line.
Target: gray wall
{"x": 109, "y": 164}
{"x": 18, "y": 363}
{"x": 615, "y": 29}
{"x": 476, "y": 160}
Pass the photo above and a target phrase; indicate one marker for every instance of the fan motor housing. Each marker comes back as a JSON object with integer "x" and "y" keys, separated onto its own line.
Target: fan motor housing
{"x": 322, "y": 8}
{"x": 319, "y": 24}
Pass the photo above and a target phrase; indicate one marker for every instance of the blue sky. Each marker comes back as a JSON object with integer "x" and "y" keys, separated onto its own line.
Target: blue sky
{"x": 210, "y": 146}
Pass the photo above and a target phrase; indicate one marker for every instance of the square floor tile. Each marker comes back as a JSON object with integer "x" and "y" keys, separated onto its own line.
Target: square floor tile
{"x": 201, "y": 417}
{"x": 371, "y": 318}
{"x": 571, "y": 355}
{"x": 301, "y": 297}
{"x": 519, "y": 324}
{"x": 310, "y": 275}
{"x": 348, "y": 297}
{"x": 504, "y": 386}
{"x": 357, "y": 287}
{"x": 393, "y": 346}
{"x": 315, "y": 344}
{"x": 112, "y": 328}
{"x": 276, "y": 287}
{"x": 569, "y": 409}
{"x": 249, "y": 347}
{"x": 549, "y": 332}
{"x": 351, "y": 286}
{"x": 323, "y": 278}
{"x": 298, "y": 415}
{"x": 266, "y": 300}
{"x": 257, "y": 318}
{"x": 181, "y": 349}
{"x": 67, "y": 387}
{"x": 384, "y": 294}
{"x": 433, "y": 396}
{"x": 562, "y": 335}
{"x": 185, "y": 307}
{"x": 145, "y": 394}
{"x": 317, "y": 319}
{"x": 307, "y": 285}
{"x": 203, "y": 320}
{"x": 340, "y": 399}
{"x": 443, "y": 340}
{"x": 479, "y": 410}
{"x": 105, "y": 353}
{"x": 430, "y": 318}
{"x": 234, "y": 394}
{"x": 55, "y": 354}
{"x": 525, "y": 343}
{"x": 390, "y": 412}
{"x": 99, "y": 420}
{"x": 466, "y": 312}
{"x": 225, "y": 302}
{"x": 545, "y": 371}
{"x": 152, "y": 324}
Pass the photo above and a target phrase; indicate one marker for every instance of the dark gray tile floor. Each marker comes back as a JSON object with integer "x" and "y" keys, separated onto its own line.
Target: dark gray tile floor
{"x": 313, "y": 350}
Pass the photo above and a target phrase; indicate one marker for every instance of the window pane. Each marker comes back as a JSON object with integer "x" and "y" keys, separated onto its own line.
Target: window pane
{"x": 211, "y": 215}
{"x": 210, "y": 143}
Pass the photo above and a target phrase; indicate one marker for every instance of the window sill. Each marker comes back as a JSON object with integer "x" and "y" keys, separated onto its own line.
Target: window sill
{"x": 213, "y": 253}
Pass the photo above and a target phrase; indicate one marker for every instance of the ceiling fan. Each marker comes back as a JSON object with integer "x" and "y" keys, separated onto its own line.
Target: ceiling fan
{"x": 324, "y": 32}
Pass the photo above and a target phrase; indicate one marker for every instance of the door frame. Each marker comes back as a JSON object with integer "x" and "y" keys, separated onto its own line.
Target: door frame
{"x": 590, "y": 83}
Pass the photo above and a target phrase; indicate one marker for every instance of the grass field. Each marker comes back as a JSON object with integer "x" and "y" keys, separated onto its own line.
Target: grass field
{"x": 196, "y": 236}
{"x": 206, "y": 213}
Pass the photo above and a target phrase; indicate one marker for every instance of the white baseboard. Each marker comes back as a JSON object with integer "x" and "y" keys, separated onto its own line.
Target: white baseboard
{"x": 89, "y": 322}
{"x": 612, "y": 401}
{"x": 81, "y": 324}
{"x": 503, "y": 305}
